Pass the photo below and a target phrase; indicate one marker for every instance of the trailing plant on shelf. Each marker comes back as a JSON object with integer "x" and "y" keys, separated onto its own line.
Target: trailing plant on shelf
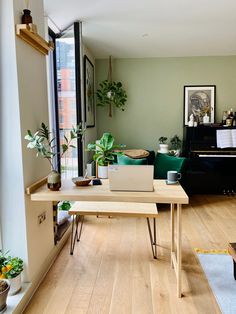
{"x": 45, "y": 145}
{"x": 105, "y": 152}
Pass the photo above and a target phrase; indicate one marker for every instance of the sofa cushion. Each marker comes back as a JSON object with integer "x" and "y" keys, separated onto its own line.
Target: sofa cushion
{"x": 125, "y": 160}
{"x": 136, "y": 153}
{"x": 164, "y": 163}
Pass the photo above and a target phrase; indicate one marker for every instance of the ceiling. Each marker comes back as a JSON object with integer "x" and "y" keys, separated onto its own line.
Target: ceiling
{"x": 151, "y": 28}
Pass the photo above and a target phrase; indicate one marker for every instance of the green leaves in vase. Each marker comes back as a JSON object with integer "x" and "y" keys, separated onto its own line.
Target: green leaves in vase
{"x": 45, "y": 145}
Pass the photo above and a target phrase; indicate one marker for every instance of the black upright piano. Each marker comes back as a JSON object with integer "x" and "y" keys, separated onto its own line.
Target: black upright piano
{"x": 209, "y": 169}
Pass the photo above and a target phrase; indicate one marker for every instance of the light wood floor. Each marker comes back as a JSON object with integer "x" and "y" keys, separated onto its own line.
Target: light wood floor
{"x": 112, "y": 270}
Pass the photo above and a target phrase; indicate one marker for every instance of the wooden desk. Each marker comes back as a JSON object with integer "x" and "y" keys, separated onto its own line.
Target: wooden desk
{"x": 163, "y": 193}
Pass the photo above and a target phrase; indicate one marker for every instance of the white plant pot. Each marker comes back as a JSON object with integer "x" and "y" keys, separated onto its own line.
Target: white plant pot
{"x": 103, "y": 172}
{"x": 15, "y": 284}
{"x": 164, "y": 149}
{"x": 175, "y": 152}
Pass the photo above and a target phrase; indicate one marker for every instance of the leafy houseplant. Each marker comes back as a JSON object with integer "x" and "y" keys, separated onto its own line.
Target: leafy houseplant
{"x": 104, "y": 153}
{"x": 111, "y": 93}
{"x": 163, "y": 145}
{"x": 162, "y": 140}
{"x": 11, "y": 268}
{"x": 64, "y": 205}
{"x": 45, "y": 146}
{"x": 175, "y": 145}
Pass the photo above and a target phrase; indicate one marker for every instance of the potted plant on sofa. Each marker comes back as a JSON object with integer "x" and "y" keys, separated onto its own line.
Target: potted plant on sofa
{"x": 175, "y": 146}
{"x": 163, "y": 145}
{"x": 11, "y": 268}
{"x": 4, "y": 289}
{"x": 44, "y": 144}
{"x": 104, "y": 153}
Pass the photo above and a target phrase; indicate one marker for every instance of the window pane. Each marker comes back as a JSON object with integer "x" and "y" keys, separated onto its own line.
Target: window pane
{"x": 65, "y": 55}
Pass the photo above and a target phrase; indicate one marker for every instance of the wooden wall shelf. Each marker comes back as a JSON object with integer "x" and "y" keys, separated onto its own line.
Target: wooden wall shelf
{"x": 28, "y": 33}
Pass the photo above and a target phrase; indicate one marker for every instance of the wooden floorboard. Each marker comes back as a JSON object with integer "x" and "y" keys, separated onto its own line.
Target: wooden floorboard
{"x": 112, "y": 270}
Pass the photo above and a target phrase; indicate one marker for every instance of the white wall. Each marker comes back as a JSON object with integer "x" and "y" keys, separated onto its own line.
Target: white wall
{"x": 24, "y": 105}
{"x": 32, "y": 82}
{"x": 12, "y": 206}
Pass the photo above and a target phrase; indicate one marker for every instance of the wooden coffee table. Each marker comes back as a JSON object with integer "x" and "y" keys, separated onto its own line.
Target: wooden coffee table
{"x": 232, "y": 252}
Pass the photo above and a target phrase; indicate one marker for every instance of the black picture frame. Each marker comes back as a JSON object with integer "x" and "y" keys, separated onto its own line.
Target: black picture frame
{"x": 198, "y": 100}
{"x": 89, "y": 101}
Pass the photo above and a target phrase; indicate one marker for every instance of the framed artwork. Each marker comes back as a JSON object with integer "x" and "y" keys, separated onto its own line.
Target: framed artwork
{"x": 89, "y": 93}
{"x": 199, "y": 101}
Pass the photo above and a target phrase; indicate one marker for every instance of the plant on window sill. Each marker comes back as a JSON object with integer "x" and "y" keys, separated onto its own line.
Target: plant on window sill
{"x": 10, "y": 269}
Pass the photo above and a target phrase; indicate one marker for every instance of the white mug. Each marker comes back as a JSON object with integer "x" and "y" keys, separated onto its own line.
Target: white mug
{"x": 173, "y": 176}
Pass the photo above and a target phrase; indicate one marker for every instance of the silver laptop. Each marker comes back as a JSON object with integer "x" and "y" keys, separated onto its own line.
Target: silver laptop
{"x": 130, "y": 178}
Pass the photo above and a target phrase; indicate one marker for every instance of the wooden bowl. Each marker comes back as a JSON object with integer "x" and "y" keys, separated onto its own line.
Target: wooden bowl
{"x": 81, "y": 181}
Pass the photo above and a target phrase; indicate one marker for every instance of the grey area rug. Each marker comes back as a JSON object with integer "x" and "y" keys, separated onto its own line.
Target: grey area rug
{"x": 218, "y": 269}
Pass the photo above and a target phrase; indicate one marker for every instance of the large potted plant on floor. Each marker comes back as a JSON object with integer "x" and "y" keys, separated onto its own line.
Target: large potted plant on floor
{"x": 105, "y": 153}
{"x": 45, "y": 145}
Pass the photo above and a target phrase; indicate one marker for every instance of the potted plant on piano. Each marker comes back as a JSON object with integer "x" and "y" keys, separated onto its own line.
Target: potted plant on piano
{"x": 105, "y": 153}
{"x": 45, "y": 145}
{"x": 163, "y": 145}
{"x": 175, "y": 146}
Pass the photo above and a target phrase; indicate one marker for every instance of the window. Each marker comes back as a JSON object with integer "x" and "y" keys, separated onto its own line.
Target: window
{"x": 67, "y": 61}
{"x": 61, "y": 119}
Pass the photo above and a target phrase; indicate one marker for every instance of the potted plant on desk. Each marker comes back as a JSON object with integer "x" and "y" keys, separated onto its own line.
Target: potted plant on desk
{"x": 45, "y": 146}
{"x": 105, "y": 153}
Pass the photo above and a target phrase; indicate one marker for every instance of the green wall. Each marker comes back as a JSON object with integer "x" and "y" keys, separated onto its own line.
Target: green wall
{"x": 155, "y": 95}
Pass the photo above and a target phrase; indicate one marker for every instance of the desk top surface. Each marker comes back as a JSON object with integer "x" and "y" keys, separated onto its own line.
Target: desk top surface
{"x": 162, "y": 193}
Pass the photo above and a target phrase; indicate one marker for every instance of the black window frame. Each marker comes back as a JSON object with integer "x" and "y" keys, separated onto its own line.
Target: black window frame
{"x": 78, "y": 92}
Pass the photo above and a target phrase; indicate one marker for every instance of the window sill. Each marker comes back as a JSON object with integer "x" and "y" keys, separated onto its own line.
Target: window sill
{"x": 14, "y": 301}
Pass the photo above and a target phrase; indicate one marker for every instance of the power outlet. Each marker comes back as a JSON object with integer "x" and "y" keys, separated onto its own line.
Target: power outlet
{"x": 41, "y": 218}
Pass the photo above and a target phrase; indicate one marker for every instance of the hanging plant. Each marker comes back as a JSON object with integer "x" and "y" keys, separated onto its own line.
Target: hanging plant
{"x": 111, "y": 93}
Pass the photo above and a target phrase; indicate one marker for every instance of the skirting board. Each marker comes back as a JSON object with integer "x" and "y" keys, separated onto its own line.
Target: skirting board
{"x": 33, "y": 286}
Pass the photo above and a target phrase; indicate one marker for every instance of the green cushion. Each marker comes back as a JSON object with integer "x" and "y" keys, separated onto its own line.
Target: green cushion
{"x": 125, "y": 160}
{"x": 164, "y": 163}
